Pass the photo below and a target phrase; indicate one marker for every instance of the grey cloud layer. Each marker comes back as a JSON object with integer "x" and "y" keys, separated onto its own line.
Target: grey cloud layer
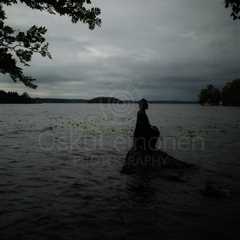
{"x": 165, "y": 49}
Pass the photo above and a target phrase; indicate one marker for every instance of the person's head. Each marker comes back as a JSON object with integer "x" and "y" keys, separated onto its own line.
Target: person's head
{"x": 143, "y": 104}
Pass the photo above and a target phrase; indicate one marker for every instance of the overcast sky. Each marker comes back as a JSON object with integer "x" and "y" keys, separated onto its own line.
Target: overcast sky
{"x": 157, "y": 49}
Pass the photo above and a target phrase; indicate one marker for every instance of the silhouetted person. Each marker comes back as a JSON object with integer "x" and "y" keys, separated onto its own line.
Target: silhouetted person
{"x": 145, "y": 135}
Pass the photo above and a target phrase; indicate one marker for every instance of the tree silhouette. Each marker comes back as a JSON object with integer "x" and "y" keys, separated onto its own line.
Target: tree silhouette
{"x": 235, "y": 6}
{"x": 14, "y": 97}
{"x": 17, "y": 47}
{"x": 210, "y": 95}
{"x": 231, "y": 93}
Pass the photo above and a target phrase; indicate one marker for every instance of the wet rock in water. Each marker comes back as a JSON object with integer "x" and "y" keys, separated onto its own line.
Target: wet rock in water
{"x": 177, "y": 177}
{"x": 215, "y": 191}
{"x": 150, "y": 160}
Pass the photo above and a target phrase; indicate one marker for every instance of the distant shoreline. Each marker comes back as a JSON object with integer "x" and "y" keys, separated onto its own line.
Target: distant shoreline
{"x": 123, "y": 102}
{"x": 173, "y": 103}
{"x": 14, "y": 98}
{"x": 107, "y": 100}
{"x": 71, "y": 101}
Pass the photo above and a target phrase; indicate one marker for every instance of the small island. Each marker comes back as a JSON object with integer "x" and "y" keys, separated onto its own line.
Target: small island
{"x": 105, "y": 100}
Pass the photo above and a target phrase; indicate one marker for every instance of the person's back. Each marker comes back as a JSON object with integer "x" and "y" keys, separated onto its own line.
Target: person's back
{"x": 142, "y": 125}
{"x": 145, "y": 136}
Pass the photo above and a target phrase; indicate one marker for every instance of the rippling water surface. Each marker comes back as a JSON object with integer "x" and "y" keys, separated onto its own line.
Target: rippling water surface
{"x": 60, "y": 173}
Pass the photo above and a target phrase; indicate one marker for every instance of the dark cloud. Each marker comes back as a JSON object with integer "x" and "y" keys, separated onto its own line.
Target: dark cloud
{"x": 165, "y": 49}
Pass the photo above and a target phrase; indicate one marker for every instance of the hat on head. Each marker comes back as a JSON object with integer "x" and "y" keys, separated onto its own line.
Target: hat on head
{"x": 143, "y": 101}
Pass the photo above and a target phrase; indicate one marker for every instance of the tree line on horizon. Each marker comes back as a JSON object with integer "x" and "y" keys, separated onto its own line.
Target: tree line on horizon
{"x": 229, "y": 95}
{"x": 14, "y": 97}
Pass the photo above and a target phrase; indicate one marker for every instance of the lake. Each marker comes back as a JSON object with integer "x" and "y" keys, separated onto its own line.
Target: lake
{"x": 60, "y": 173}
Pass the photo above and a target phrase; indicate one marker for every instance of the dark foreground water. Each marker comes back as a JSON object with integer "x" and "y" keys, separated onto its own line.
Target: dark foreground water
{"x": 60, "y": 173}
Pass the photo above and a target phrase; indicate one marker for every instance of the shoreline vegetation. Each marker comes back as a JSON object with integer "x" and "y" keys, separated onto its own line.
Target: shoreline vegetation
{"x": 14, "y": 97}
{"x": 229, "y": 95}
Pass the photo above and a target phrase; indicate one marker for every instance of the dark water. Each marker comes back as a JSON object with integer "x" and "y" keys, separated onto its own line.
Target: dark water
{"x": 60, "y": 173}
